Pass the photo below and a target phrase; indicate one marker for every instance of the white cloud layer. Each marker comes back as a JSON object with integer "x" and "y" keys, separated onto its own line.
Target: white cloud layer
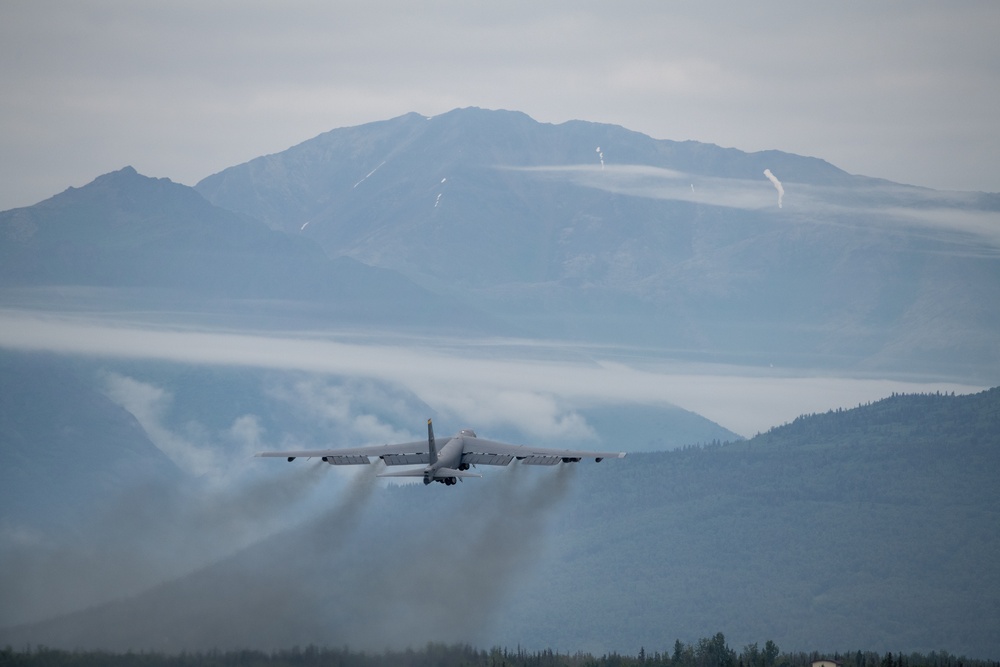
{"x": 194, "y": 448}
{"x": 472, "y": 384}
{"x": 955, "y": 217}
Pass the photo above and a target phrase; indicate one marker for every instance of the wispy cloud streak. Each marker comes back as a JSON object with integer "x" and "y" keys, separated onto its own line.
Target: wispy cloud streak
{"x": 659, "y": 183}
{"x": 969, "y": 219}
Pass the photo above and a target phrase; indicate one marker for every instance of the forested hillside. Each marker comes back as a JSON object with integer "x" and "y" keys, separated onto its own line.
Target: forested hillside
{"x": 824, "y": 534}
{"x": 824, "y": 539}
{"x": 899, "y": 419}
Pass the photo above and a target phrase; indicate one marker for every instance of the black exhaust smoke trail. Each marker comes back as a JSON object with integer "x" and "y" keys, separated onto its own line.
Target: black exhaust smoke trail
{"x": 333, "y": 528}
{"x": 140, "y": 539}
{"x": 435, "y": 572}
{"x": 504, "y": 545}
{"x": 261, "y": 597}
{"x": 446, "y": 580}
{"x": 508, "y": 542}
{"x": 276, "y": 594}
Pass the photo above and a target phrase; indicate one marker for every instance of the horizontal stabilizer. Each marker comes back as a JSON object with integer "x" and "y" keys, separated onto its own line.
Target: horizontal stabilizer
{"x": 414, "y": 472}
{"x": 451, "y": 472}
{"x": 419, "y": 472}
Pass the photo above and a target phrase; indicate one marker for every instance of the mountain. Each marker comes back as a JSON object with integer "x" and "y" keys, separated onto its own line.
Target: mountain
{"x": 592, "y": 232}
{"x": 65, "y": 445}
{"x": 68, "y": 454}
{"x": 147, "y": 244}
{"x": 855, "y": 528}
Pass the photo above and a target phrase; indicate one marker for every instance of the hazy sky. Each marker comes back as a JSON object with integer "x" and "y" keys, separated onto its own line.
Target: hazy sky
{"x": 182, "y": 89}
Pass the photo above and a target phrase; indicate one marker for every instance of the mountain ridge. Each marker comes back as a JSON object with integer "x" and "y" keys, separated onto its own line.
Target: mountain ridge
{"x": 146, "y": 238}
{"x": 471, "y": 129}
{"x": 593, "y": 232}
{"x": 969, "y": 420}
{"x": 852, "y": 275}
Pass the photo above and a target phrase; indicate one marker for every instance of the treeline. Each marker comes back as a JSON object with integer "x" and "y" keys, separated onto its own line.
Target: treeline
{"x": 899, "y": 419}
{"x": 707, "y": 652}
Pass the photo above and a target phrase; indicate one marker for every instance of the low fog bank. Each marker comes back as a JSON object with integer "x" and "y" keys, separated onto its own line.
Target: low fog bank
{"x": 380, "y": 566}
{"x": 484, "y": 382}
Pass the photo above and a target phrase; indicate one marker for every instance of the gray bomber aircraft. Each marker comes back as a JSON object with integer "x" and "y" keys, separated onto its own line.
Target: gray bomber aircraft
{"x": 446, "y": 460}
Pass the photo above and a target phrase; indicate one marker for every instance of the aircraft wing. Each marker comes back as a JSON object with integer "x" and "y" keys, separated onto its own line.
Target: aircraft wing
{"x": 479, "y": 451}
{"x": 403, "y": 453}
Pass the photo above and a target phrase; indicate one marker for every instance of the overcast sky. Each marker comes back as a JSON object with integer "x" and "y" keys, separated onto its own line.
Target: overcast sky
{"x": 908, "y": 91}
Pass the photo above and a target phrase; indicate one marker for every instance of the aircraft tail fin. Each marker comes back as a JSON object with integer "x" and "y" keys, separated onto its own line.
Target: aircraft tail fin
{"x": 432, "y": 449}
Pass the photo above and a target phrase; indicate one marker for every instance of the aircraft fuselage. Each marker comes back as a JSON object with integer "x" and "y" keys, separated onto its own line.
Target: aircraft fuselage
{"x": 450, "y": 456}
{"x": 448, "y": 459}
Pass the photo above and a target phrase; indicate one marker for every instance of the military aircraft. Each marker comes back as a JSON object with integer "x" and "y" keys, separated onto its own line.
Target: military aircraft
{"x": 446, "y": 460}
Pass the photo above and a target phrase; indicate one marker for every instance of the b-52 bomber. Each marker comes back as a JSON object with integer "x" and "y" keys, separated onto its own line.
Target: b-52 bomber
{"x": 446, "y": 460}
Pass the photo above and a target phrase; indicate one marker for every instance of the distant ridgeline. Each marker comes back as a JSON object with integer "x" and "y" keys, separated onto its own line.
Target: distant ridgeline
{"x": 905, "y": 419}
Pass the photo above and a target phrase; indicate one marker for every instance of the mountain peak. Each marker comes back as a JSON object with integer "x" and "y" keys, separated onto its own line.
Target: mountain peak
{"x": 124, "y": 179}
{"x": 127, "y": 175}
